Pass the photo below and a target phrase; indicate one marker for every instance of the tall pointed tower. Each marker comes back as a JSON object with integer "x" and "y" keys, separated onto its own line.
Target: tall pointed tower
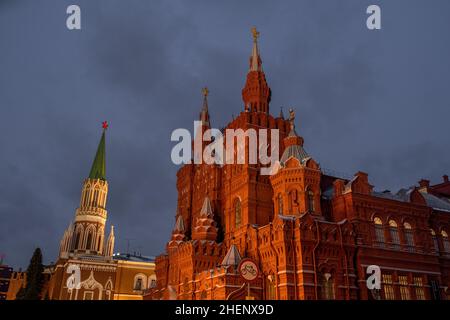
{"x": 247, "y": 195}
{"x": 256, "y": 93}
{"x": 87, "y": 233}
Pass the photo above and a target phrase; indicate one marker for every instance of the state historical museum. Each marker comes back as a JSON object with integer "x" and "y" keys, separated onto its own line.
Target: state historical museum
{"x": 311, "y": 234}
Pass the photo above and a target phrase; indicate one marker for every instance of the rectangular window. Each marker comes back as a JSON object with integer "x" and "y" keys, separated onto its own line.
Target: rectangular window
{"x": 389, "y": 293}
{"x": 404, "y": 289}
{"x": 420, "y": 292}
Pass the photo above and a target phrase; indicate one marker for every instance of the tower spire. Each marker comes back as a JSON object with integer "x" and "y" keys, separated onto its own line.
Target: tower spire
{"x": 98, "y": 169}
{"x": 255, "y": 59}
{"x": 256, "y": 93}
{"x": 204, "y": 114}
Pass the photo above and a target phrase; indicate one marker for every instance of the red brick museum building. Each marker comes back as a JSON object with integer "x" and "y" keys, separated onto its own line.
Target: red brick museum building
{"x": 311, "y": 234}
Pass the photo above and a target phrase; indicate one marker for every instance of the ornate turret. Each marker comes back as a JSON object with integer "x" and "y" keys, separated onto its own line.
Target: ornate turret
{"x": 296, "y": 180}
{"x": 178, "y": 233}
{"x": 205, "y": 228}
{"x": 256, "y": 93}
{"x": 293, "y": 143}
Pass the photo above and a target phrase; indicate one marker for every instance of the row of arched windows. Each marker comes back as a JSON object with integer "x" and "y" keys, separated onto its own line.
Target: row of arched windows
{"x": 408, "y": 235}
{"x": 87, "y": 240}
{"x": 93, "y": 198}
{"x": 394, "y": 234}
{"x": 445, "y": 241}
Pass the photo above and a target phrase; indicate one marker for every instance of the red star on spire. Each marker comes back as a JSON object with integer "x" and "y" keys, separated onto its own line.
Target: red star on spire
{"x": 105, "y": 125}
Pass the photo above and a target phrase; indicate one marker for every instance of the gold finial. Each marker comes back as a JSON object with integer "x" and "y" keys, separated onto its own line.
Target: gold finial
{"x": 255, "y": 34}
{"x": 291, "y": 115}
{"x": 205, "y": 91}
{"x": 292, "y": 118}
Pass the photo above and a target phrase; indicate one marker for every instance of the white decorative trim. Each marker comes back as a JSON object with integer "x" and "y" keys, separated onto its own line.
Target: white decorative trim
{"x": 92, "y": 284}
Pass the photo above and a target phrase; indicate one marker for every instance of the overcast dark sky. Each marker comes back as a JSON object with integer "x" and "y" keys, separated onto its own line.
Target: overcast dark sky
{"x": 376, "y": 101}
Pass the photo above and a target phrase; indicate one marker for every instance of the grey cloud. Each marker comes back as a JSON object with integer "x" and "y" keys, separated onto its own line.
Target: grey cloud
{"x": 365, "y": 101}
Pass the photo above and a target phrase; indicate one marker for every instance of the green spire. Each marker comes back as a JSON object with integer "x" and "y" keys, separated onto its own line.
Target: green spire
{"x": 98, "y": 170}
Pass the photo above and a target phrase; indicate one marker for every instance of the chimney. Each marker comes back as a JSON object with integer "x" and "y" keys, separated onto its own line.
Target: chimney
{"x": 363, "y": 176}
{"x": 445, "y": 177}
{"x": 424, "y": 183}
{"x": 338, "y": 187}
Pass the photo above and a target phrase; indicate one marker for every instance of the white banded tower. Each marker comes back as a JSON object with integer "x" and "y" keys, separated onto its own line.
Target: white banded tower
{"x": 86, "y": 235}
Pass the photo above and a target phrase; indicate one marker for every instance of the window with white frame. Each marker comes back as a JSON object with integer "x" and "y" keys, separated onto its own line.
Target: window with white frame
{"x": 139, "y": 282}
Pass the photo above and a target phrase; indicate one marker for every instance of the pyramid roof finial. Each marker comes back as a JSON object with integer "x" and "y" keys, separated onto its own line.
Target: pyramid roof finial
{"x": 179, "y": 224}
{"x": 232, "y": 258}
{"x": 206, "y": 208}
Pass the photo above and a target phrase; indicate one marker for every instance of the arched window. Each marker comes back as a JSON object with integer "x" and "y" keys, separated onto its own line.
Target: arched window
{"x": 95, "y": 202}
{"x": 237, "y": 212}
{"x": 99, "y": 242}
{"x": 445, "y": 241}
{"x": 139, "y": 282}
{"x": 435, "y": 241}
{"x": 393, "y": 231}
{"x": 152, "y": 281}
{"x": 311, "y": 201}
{"x": 293, "y": 202}
{"x": 86, "y": 196}
{"x": 270, "y": 288}
{"x": 280, "y": 204}
{"x": 327, "y": 287}
{"x": 77, "y": 239}
{"x": 409, "y": 236}
{"x": 379, "y": 232}
{"x": 89, "y": 240}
